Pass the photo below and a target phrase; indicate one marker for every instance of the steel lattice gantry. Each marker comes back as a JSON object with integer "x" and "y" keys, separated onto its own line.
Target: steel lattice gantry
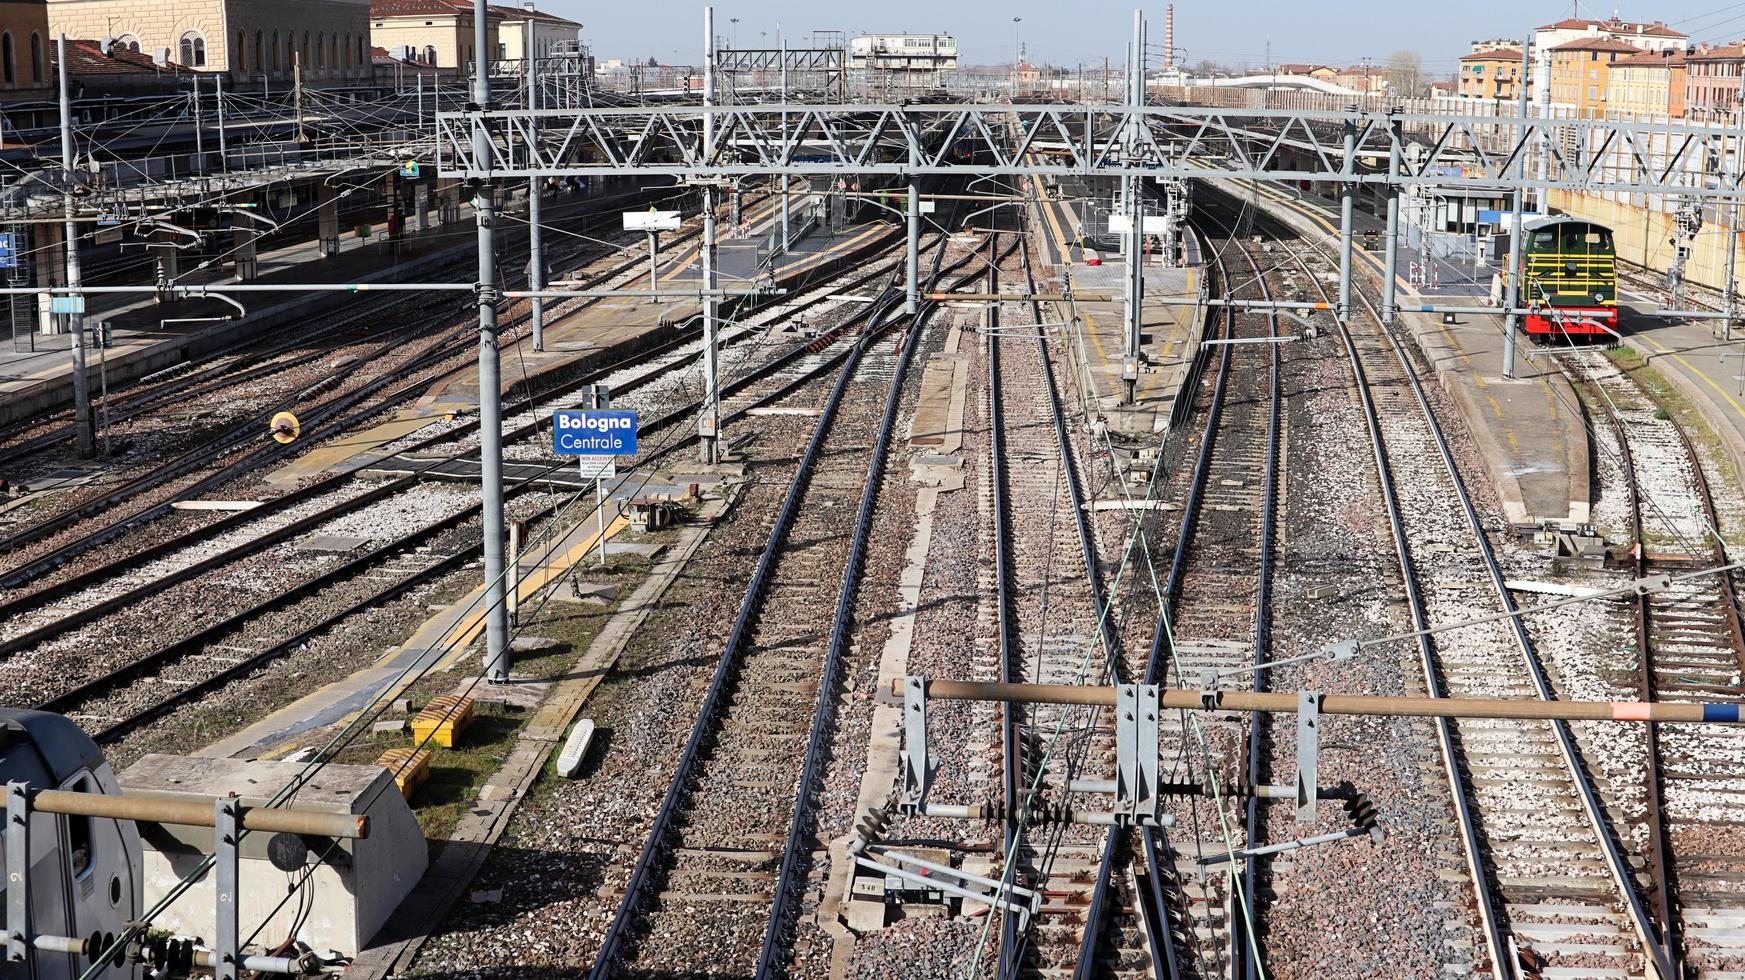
{"x": 1591, "y": 155}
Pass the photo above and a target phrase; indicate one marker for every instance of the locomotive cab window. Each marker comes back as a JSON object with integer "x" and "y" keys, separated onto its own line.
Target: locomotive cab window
{"x": 79, "y": 839}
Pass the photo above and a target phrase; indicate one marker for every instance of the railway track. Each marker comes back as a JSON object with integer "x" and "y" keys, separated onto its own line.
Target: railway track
{"x": 200, "y": 672}
{"x": 1552, "y": 886}
{"x": 224, "y": 370}
{"x": 1689, "y": 647}
{"x": 327, "y": 420}
{"x": 720, "y": 891}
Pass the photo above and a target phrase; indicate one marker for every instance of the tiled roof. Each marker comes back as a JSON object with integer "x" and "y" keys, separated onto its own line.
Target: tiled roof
{"x": 1494, "y": 54}
{"x": 1597, "y": 44}
{"x": 1651, "y": 59}
{"x": 87, "y": 58}
{"x": 518, "y": 13}
{"x": 428, "y": 8}
{"x": 1655, "y": 29}
{"x": 1728, "y": 52}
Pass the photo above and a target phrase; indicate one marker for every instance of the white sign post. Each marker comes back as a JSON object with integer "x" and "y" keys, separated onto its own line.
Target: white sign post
{"x": 654, "y": 222}
{"x": 584, "y": 433}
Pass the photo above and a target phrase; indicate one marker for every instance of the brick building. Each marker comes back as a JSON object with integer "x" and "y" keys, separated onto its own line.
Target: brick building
{"x": 1712, "y": 83}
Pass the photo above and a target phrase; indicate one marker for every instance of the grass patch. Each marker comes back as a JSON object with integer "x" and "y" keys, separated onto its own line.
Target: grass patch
{"x": 457, "y": 775}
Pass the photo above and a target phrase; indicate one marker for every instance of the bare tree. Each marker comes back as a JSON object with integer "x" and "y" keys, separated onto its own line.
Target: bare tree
{"x": 1405, "y": 74}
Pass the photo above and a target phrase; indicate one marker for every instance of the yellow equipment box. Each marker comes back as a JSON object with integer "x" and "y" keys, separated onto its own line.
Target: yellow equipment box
{"x": 443, "y": 720}
{"x": 410, "y": 767}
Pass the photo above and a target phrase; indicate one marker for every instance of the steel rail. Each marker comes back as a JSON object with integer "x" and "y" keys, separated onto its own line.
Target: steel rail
{"x": 1011, "y": 743}
{"x": 617, "y": 933}
{"x": 623, "y": 924}
{"x": 215, "y": 376}
{"x": 39, "y": 566}
{"x": 1657, "y": 855}
{"x": 772, "y": 958}
{"x": 1616, "y": 861}
{"x": 259, "y": 542}
{"x": 113, "y": 679}
{"x": 1245, "y": 940}
{"x": 1617, "y": 865}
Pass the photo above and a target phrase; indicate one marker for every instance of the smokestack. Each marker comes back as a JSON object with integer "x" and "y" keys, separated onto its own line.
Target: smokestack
{"x": 1169, "y": 37}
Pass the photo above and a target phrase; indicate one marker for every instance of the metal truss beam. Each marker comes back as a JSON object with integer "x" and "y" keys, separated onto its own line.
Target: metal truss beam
{"x": 1478, "y": 152}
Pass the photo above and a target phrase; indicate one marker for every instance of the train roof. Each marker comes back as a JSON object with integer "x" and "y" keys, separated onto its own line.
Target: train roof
{"x": 63, "y": 746}
{"x": 1561, "y": 219}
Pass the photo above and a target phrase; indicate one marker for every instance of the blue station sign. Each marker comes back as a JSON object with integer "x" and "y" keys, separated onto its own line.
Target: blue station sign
{"x": 604, "y": 432}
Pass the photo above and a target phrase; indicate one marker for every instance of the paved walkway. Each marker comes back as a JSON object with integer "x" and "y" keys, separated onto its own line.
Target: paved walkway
{"x": 1169, "y": 328}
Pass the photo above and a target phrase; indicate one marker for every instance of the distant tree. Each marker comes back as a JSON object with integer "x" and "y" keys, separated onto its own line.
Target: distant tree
{"x": 1405, "y": 74}
{"x": 652, "y": 63}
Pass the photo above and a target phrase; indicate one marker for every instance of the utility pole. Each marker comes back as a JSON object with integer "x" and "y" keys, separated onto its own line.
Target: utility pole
{"x": 1347, "y": 207}
{"x": 1732, "y": 259}
{"x": 709, "y": 423}
{"x": 535, "y": 234}
{"x": 297, "y": 93}
{"x": 218, "y": 97}
{"x": 1389, "y": 307}
{"x": 86, "y": 441}
{"x": 1131, "y": 193}
{"x": 490, "y": 384}
{"x": 912, "y": 264}
{"x": 787, "y": 235}
{"x": 199, "y": 138}
{"x": 1516, "y": 238}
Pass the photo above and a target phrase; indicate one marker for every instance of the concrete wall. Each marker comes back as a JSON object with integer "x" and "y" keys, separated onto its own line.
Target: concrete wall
{"x": 1643, "y": 237}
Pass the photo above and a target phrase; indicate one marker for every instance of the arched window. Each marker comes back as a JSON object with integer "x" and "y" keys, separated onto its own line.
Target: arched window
{"x": 321, "y": 50}
{"x": 128, "y": 41}
{"x": 306, "y": 62}
{"x": 36, "y": 61}
{"x": 275, "y": 50}
{"x": 260, "y": 58}
{"x": 290, "y": 50}
{"x": 8, "y": 61}
{"x": 430, "y": 54}
{"x": 348, "y": 49}
{"x": 361, "y": 59}
{"x": 239, "y": 58}
{"x": 193, "y": 50}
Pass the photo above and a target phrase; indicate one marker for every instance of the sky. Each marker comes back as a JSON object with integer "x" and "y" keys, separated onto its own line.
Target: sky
{"x": 1066, "y": 32}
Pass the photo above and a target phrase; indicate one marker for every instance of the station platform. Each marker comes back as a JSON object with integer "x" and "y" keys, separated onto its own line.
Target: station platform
{"x": 1171, "y": 323}
{"x": 1529, "y": 430}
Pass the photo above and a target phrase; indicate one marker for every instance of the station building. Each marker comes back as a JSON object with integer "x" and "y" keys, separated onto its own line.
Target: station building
{"x": 247, "y": 39}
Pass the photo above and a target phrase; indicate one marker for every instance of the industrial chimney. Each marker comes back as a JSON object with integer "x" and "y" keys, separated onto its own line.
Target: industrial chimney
{"x": 1169, "y": 37}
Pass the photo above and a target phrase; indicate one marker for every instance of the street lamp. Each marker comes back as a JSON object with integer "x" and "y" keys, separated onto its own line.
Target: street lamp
{"x": 735, "y": 22}
{"x": 1016, "y": 45}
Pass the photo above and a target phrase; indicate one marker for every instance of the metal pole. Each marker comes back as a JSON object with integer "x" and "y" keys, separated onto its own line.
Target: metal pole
{"x": 223, "y": 149}
{"x": 535, "y": 234}
{"x": 297, "y": 93}
{"x": 913, "y": 260}
{"x": 1130, "y": 189}
{"x": 787, "y": 233}
{"x": 1347, "y": 205}
{"x": 86, "y": 440}
{"x": 1515, "y": 238}
{"x": 497, "y": 653}
{"x": 600, "y": 509}
{"x": 1392, "y": 249}
{"x": 421, "y": 98}
{"x": 1732, "y": 260}
{"x": 199, "y": 137}
{"x": 227, "y": 837}
{"x": 709, "y": 423}
{"x": 653, "y": 266}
